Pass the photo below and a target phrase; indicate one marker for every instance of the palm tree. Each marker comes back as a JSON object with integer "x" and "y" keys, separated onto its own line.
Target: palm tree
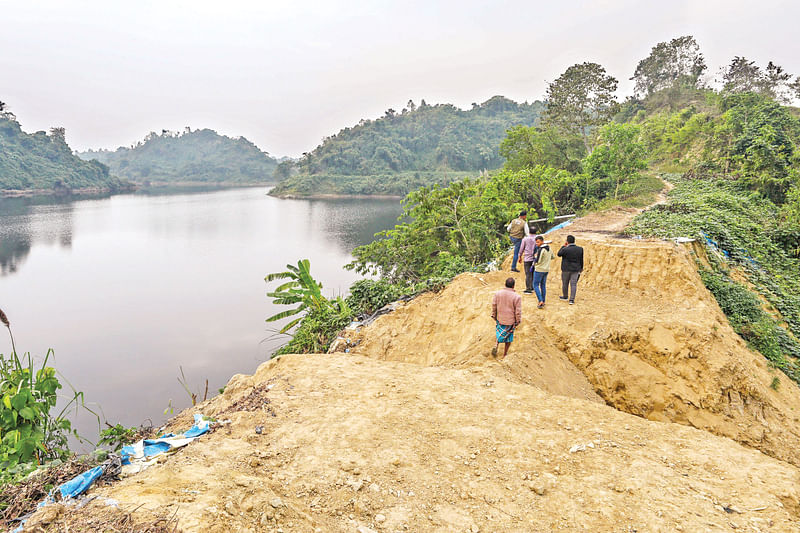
{"x": 302, "y": 289}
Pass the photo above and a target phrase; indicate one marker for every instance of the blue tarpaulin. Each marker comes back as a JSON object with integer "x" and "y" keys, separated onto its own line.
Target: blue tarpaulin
{"x": 136, "y": 457}
{"x": 558, "y": 227}
{"x": 78, "y": 485}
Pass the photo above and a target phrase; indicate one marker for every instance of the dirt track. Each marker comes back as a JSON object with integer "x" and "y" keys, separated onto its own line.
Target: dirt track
{"x": 421, "y": 430}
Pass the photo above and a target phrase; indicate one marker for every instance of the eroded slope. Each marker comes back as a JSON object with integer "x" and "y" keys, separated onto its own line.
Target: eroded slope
{"x": 645, "y": 335}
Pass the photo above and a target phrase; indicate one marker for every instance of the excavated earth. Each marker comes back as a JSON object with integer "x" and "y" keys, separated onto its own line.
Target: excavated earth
{"x": 637, "y": 409}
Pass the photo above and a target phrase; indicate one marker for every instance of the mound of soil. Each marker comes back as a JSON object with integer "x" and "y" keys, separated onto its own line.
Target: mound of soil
{"x": 361, "y": 445}
{"x": 644, "y": 335}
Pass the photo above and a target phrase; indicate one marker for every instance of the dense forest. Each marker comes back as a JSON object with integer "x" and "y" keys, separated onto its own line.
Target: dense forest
{"x": 190, "y": 156}
{"x": 401, "y": 151}
{"x": 44, "y": 162}
{"x": 732, "y": 153}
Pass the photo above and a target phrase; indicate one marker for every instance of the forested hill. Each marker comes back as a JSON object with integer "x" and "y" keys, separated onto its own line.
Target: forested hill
{"x": 402, "y": 151}
{"x": 38, "y": 162}
{"x": 199, "y": 156}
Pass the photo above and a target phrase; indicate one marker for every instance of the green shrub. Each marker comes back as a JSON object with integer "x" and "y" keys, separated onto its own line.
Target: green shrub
{"x": 369, "y": 295}
{"x": 318, "y": 329}
{"x": 30, "y": 432}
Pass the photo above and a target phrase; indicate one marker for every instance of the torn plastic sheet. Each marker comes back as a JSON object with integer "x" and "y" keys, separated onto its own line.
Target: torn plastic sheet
{"x": 137, "y": 457}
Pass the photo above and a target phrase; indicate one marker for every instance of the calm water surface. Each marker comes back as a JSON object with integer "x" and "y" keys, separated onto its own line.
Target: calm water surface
{"x": 128, "y": 289}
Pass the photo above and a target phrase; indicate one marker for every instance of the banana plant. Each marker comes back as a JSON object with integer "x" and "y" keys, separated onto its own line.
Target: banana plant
{"x": 301, "y": 289}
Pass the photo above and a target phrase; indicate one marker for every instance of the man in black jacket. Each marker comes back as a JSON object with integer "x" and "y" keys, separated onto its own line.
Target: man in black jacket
{"x": 571, "y": 268}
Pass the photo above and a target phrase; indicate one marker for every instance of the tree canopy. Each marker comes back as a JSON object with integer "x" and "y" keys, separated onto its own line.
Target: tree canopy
{"x": 580, "y": 99}
{"x": 677, "y": 62}
{"x": 743, "y": 75}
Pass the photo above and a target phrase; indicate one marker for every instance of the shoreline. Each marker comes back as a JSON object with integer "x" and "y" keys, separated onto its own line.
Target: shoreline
{"x": 85, "y": 191}
{"x": 333, "y": 196}
{"x": 101, "y": 191}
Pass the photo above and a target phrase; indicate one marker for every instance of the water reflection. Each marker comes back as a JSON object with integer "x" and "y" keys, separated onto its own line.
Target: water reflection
{"x": 127, "y": 289}
{"x": 26, "y": 221}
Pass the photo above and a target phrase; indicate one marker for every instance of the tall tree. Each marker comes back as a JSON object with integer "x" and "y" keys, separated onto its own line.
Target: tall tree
{"x": 777, "y": 83}
{"x": 678, "y": 62}
{"x": 580, "y": 99}
{"x": 745, "y": 76}
{"x": 741, "y": 76}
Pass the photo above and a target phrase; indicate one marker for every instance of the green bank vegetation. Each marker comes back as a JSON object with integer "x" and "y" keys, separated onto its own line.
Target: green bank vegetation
{"x": 731, "y": 154}
{"x": 421, "y": 145}
{"x": 45, "y": 163}
{"x": 190, "y": 156}
{"x": 32, "y": 431}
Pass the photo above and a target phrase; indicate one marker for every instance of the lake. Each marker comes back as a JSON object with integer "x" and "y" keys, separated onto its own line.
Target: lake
{"x": 129, "y": 289}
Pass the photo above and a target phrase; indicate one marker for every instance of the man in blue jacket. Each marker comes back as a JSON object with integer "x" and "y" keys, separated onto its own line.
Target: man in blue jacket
{"x": 571, "y": 268}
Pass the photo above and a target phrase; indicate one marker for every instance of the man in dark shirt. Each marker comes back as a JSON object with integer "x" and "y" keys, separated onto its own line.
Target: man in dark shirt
{"x": 571, "y": 268}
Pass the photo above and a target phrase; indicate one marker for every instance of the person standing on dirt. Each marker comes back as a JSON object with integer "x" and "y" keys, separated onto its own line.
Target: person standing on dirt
{"x": 527, "y": 251}
{"x": 541, "y": 267}
{"x": 517, "y": 229}
{"x": 571, "y": 268}
{"x": 507, "y": 314}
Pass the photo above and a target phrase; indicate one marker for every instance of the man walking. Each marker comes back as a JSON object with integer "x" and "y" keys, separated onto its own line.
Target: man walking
{"x": 527, "y": 250}
{"x": 541, "y": 267}
{"x": 517, "y": 229}
{"x": 507, "y": 314}
{"x": 571, "y": 268}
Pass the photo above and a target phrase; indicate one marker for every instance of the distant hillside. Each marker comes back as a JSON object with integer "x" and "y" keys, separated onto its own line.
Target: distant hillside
{"x": 38, "y": 162}
{"x": 199, "y": 156}
{"x": 401, "y": 151}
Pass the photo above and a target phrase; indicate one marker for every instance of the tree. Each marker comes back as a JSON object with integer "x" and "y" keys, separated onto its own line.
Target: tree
{"x": 776, "y": 84}
{"x": 59, "y": 135}
{"x": 526, "y": 147}
{"x": 620, "y": 155}
{"x": 741, "y": 76}
{"x": 580, "y": 99}
{"x": 675, "y": 63}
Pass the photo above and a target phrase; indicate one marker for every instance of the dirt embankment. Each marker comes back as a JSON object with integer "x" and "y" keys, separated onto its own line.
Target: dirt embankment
{"x": 353, "y": 444}
{"x": 419, "y": 429}
{"x": 645, "y": 336}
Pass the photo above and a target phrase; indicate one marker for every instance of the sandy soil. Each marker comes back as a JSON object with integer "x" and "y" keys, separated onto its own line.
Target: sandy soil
{"x": 637, "y": 409}
{"x": 645, "y": 336}
{"x": 360, "y": 443}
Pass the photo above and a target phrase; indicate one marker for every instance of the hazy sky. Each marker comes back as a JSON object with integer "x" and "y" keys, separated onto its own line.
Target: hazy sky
{"x": 285, "y": 74}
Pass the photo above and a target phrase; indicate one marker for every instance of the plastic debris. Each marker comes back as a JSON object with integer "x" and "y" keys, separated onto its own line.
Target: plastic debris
{"x": 139, "y": 456}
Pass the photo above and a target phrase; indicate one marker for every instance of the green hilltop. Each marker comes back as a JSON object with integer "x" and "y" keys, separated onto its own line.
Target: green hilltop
{"x": 44, "y": 163}
{"x": 198, "y": 156}
{"x": 401, "y": 151}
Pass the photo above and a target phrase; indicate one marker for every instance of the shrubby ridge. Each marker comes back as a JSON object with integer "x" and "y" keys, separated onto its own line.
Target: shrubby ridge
{"x": 190, "y": 156}
{"x": 419, "y": 146}
{"x": 44, "y": 163}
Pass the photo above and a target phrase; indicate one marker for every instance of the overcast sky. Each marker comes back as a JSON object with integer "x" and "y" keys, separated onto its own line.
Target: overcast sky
{"x": 286, "y": 74}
